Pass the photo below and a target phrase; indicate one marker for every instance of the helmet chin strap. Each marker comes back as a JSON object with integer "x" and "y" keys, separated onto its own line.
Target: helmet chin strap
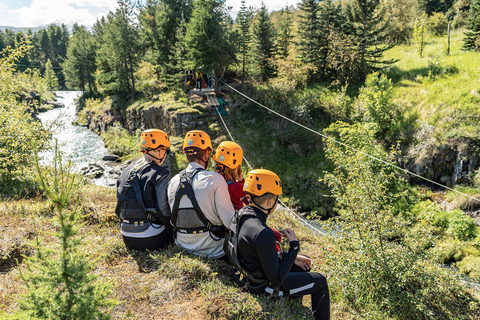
{"x": 269, "y": 210}
{"x": 158, "y": 159}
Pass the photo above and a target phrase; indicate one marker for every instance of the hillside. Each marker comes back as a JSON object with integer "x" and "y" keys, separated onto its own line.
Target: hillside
{"x": 156, "y": 285}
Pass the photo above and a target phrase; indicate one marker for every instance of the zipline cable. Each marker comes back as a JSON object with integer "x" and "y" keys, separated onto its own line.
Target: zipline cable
{"x": 352, "y": 148}
{"x": 293, "y": 213}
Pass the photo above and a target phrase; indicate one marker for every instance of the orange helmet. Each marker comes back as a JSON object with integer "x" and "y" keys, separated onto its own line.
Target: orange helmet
{"x": 229, "y": 154}
{"x": 260, "y": 181}
{"x": 151, "y": 139}
{"x": 197, "y": 138}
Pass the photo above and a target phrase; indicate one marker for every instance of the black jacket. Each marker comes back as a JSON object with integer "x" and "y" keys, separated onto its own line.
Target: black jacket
{"x": 256, "y": 248}
{"x": 153, "y": 184}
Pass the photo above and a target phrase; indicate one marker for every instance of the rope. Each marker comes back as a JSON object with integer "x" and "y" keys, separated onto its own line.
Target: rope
{"x": 352, "y": 148}
{"x": 292, "y": 213}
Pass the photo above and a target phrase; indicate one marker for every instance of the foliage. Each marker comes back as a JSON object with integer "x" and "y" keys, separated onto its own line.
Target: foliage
{"x": 18, "y": 130}
{"x": 117, "y": 54}
{"x": 147, "y": 80}
{"x": 472, "y": 36}
{"x": 80, "y": 64}
{"x": 402, "y": 15}
{"x": 49, "y": 43}
{"x": 461, "y": 226}
{"x": 162, "y": 30}
{"x": 50, "y": 77}
{"x": 208, "y": 35}
{"x": 120, "y": 142}
{"x": 243, "y": 22}
{"x": 367, "y": 22}
{"x": 263, "y": 45}
{"x": 419, "y": 35}
{"x": 374, "y": 102}
{"x": 379, "y": 271}
{"x": 60, "y": 280}
{"x": 437, "y": 24}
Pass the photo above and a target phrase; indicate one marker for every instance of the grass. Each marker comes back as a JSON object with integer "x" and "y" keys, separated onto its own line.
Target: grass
{"x": 167, "y": 284}
{"x": 442, "y": 90}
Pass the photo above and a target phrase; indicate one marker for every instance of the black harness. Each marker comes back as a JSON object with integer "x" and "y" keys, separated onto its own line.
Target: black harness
{"x": 240, "y": 275}
{"x": 130, "y": 207}
{"x": 192, "y": 220}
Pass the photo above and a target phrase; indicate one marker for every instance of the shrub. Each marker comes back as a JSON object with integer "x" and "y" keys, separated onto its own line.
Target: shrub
{"x": 374, "y": 102}
{"x": 18, "y": 130}
{"x": 461, "y": 226}
{"x": 377, "y": 271}
{"x": 147, "y": 80}
{"x": 119, "y": 141}
{"x": 60, "y": 280}
{"x": 437, "y": 24}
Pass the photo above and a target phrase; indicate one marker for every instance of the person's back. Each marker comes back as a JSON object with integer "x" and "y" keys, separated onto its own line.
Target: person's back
{"x": 210, "y": 192}
{"x": 142, "y": 205}
{"x": 268, "y": 272}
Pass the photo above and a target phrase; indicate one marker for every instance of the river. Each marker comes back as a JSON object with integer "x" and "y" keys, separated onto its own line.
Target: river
{"x": 79, "y": 144}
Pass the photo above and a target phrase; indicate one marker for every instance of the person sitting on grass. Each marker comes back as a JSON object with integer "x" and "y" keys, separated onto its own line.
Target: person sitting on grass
{"x": 199, "y": 201}
{"x": 228, "y": 162}
{"x": 141, "y": 196}
{"x": 251, "y": 249}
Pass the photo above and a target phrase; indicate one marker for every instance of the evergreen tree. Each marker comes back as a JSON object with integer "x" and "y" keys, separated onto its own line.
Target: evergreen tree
{"x": 118, "y": 52}
{"x": 309, "y": 35}
{"x": 244, "y": 22}
{"x": 263, "y": 48}
{"x": 60, "y": 279}
{"x": 50, "y": 77}
{"x": 285, "y": 34}
{"x": 208, "y": 39}
{"x": 367, "y": 23}
{"x": 331, "y": 20}
{"x": 161, "y": 21}
{"x": 80, "y": 65}
{"x": 472, "y": 37}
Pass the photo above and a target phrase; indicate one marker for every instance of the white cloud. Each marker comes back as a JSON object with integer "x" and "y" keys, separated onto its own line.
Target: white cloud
{"x": 45, "y": 12}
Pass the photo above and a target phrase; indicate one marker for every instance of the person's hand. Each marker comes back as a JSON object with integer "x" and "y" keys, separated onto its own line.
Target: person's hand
{"x": 289, "y": 234}
{"x": 303, "y": 262}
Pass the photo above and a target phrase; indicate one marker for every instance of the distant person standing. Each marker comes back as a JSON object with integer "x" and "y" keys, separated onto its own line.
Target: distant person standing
{"x": 199, "y": 79}
{"x": 141, "y": 195}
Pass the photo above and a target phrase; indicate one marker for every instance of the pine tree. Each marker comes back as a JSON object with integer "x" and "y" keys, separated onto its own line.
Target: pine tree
{"x": 367, "y": 23}
{"x": 118, "y": 53}
{"x": 60, "y": 279}
{"x": 472, "y": 37}
{"x": 309, "y": 34}
{"x": 80, "y": 64}
{"x": 50, "y": 77}
{"x": 161, "y": 22}
{"x": 331, "y": 20}
{"x": 285, "y": 34}
{"x": 263, "y": 48}
{"x": 244, "y": 22}
{"x": 208, "y": 39}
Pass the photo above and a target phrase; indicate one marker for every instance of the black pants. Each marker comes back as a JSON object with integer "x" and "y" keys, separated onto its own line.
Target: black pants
{"x": 159, "y": 241}
{"x": 299, "y": 284}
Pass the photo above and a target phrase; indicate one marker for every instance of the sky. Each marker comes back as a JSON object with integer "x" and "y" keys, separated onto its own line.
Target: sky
{"x": 33, "y": 13}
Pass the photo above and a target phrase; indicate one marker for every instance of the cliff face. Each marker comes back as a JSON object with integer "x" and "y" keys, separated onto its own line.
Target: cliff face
{"x": 449, "y": 165}
{"x": 172, "y": 117}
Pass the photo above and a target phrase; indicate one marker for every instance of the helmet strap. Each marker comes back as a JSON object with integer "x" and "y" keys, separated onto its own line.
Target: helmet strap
{"x": 158, "y": 159}
{"x": 269, "y": 210}
{"x": 220, "y": 168}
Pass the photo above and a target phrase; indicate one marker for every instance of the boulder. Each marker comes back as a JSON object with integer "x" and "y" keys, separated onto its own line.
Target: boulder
{"x": 110, "y": 157}
{"x": 55, "y": 104}
{"x": 93, "y": 171}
